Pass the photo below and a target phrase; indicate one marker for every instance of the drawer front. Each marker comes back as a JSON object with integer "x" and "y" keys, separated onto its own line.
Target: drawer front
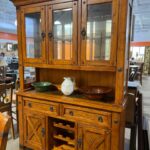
{"x": 96, "y": 117}
{"x": 38, "y": 105}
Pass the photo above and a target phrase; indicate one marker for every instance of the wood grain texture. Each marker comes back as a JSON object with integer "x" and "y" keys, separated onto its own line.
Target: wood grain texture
{"x": 71, "y": 100}
{"x": 120, "y": 75}
{"x": 82, "y": 78}
{"x": 98, "y": 125}
{"x": 5, "y": 122}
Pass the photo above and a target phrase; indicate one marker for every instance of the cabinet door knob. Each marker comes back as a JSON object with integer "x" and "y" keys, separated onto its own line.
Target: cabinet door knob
{"x": 71, "y": 113}
{"x": 50, "y": 35}
{"x": 29, "y": 105}
{"x": 100, "y": 119}
{"x": 43, "y": 35}
{"x": 43, "y": 132}
{"x": 83, "y": 32}
{"x": 51, "y": 108}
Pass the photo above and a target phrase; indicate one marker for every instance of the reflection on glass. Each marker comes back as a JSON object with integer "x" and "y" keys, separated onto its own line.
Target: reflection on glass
{"x": 62, "y": 28}
{"x": 33, "y": 35}
{"x": 99, "y": 23}
{"x": 29, "y": 74}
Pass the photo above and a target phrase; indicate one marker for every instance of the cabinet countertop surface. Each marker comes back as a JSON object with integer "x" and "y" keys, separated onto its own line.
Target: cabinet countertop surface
{"x": 73, "y": 100}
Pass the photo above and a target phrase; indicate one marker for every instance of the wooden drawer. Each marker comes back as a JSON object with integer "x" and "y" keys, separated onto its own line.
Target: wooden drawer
{"x": 97, "y": 117}
{"x": 38, "y": 105}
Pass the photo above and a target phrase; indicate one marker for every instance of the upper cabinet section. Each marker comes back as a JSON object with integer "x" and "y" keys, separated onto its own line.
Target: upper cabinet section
{"x": 80, "y": 34}
{"x": 62, "y": 33}
{"x": 33, "y": 35}
{"x": 99, "y": 32}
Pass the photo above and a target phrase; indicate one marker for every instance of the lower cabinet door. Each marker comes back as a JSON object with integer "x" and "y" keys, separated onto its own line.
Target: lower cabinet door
{"x": 34, "y": 130}
{"x": 91, "y": 138}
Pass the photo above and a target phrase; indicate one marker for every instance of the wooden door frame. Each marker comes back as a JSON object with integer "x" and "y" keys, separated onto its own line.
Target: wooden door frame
{"x": 115, "y": 9}
{"x": 27, "y": 114}
{"x": 50, "y": 9}
{"x": 26, "y": 10}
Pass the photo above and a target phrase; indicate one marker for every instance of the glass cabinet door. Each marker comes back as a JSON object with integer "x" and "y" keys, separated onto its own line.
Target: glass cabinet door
{"x": 63, "y": 33}
{"x": 34, "y": 35}
{"x": 96, "y": 34}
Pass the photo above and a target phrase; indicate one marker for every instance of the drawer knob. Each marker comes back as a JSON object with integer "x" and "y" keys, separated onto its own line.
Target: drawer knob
{"x": 51, "y": 108}
{"x": 71, "y": 113}
{"x": 100, "y": 119}
{"x": 29, "y": 105}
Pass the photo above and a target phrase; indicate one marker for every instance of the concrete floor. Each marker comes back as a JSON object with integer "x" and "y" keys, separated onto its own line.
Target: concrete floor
{"x": 145, "y": 90}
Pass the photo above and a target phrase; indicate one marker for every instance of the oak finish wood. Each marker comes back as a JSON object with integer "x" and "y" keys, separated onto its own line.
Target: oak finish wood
{"x": 5, "y": 122}
{"x": 103, "y": 121}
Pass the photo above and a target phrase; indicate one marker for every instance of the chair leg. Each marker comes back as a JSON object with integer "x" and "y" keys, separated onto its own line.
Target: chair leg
{"x": 12, "y": 125}
{"x": 141, "y": 78}
{"x": 133, "y": 138}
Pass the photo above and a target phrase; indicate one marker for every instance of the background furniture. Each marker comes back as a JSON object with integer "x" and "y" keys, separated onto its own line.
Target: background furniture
{"x": 131, "y": 119}
{"x": 75, "y": 39}
{"x": 6, "y": 92}
{"x": 5, "y": 122}
{"x": 134, "y": 115}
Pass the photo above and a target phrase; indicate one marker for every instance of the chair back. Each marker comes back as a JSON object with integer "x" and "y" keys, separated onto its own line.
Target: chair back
{"x": 131, "y": 110}
{"x": 1, "y": 72}
{"x": 6, "y": 92}
{"x": 5, "y": 122}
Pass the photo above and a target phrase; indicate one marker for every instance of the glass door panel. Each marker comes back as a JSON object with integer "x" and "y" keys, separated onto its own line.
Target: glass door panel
{"x": 33, "y": 35}
{"x": 99, "y": 32}
{"x": 63, "y": 33}
{"x": 62, "y": 28}
{"x": 99, "y": 25}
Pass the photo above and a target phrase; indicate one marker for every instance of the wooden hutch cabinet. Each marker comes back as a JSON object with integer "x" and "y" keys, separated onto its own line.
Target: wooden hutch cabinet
{"x": 84, "y": 39}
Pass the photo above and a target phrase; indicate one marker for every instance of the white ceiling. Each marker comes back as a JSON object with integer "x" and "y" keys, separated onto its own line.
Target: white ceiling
{"x": 141, "y": 10}
{"x": 7, "y": 16}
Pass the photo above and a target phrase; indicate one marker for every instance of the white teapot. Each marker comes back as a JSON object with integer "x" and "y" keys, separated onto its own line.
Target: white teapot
{"x": 67, "y": 87}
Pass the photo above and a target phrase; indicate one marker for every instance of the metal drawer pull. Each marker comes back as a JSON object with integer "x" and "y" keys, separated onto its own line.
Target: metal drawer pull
{"x": 29, "y": 105}
{"x": 51, "y": 108}
{"x": 100, "y": 119}
{"x": 71, "y": 113}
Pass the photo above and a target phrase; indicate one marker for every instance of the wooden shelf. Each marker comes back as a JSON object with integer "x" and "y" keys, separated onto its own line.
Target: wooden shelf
{"x": 63, "y": 147}
{"x": 72, "y": 67}
{"x": 66, "y": 139}
{"x": 66, "y": 127}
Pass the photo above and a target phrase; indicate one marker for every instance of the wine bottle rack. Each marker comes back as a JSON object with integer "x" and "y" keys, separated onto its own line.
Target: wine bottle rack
{"x": 62, "y": 134}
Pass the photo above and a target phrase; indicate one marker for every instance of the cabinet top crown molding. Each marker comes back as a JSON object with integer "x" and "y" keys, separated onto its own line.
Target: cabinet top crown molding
{"x": 26, "y": 2}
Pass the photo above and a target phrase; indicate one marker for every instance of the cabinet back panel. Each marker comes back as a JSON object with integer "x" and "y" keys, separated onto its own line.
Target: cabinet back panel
{"x": 82, "y": 78}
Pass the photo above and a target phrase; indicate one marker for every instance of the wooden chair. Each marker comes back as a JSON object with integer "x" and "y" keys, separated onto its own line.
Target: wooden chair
{"x": 6, "y": 102}
{"x": 140, "y": 72}
{"x": 131, "y": 119}
{"x": 5, "y": 122}
{"x": 2, "y": 73}
{"x": 134, "y": 119}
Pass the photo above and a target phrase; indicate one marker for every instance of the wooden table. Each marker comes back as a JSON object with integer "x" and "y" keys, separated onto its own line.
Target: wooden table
{"x": 6, "y": 79}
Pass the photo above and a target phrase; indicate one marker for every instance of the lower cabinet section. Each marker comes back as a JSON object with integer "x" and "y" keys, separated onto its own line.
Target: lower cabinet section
{"x": 90, "y": 138}
{"x": 63, "y": 134}
{"x": 43, "y": 130}
{"x": 34, "y": 130}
